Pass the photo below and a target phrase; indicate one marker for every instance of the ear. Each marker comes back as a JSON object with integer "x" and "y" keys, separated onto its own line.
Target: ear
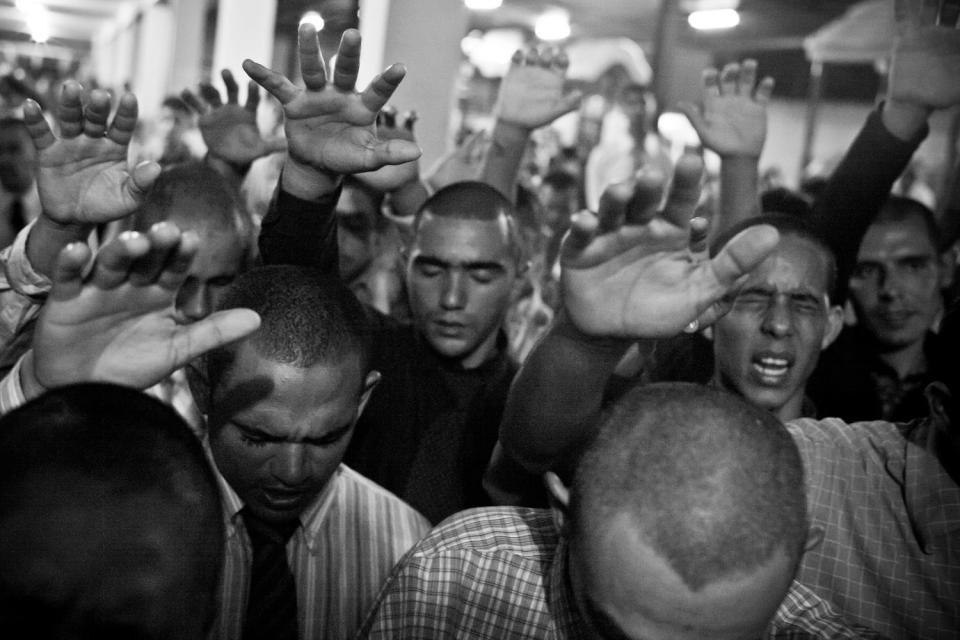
{"x": 708, "y": 333}
{"x": 814, "y": 538}
{"x": 559, "y": 497}
{"x": 938, "y": 399}
{"x": 369, "y": 383}
{"x": 948, "y": 264}
{"x": 834, "y": 326}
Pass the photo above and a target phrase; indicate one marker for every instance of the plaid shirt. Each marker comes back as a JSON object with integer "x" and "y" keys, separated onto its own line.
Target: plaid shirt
{"x": 890, "y": 558}
{"x": 501, "y": 573}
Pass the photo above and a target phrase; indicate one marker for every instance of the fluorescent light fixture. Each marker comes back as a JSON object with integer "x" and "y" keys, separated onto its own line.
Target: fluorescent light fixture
{"x": 553, "y": 25}
{"x": 714, "y": 19}
{"x": 483, "y": 5}
{"x": 37, "y": 18}
{"x": 314, "y": 18}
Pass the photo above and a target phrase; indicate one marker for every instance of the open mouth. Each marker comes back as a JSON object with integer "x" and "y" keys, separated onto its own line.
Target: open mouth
{"x": 771, "y": 369}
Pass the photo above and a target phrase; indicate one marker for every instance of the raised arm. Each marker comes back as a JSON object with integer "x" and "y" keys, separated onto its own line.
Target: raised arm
{"x": 731, "y": 121}
{"x": 229, "y": 130}
{"x": 331, "y": 131}
{"x": 116, "y": 323}
{"x": 924, "y": 77}
{"x": 82, "y": 176}
{"x": 531, "y": 96}
{"x": 627, "y": 274}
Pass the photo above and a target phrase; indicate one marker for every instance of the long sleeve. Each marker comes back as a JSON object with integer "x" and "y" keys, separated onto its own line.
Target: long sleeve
{"x": 301, "y": 232}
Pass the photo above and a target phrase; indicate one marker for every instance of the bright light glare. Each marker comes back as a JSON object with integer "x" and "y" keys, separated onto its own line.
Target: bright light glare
{"x": 714, "y": 19}
{"x": 314, "y": 18}
{"x": 483, "y": 5}
{"x": 553, "y": 26}
{"x": 38, "y": 20}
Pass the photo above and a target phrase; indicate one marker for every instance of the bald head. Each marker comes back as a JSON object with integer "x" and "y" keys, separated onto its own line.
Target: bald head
{"x": 110, "y": 522}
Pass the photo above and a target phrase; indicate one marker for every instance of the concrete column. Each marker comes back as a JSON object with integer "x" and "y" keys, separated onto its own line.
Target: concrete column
{"x": 154, "y": 58}
{"x": 189, "y": 17}
{"x": 244, "y": 30}
{"x": 425, "y": 36}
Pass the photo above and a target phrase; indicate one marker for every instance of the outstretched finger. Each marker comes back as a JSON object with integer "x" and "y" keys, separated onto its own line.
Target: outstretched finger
{"x": 124, "y": 120}
{"x": 394, "y": 152}
{"x": 113, "y": 263}
{"x": 684, "y": 191}
{"x": 312, "y": 68}
{"x": 748, "y": 77}
{"x": 765, "y": 90}
{"x": 95, "y": 114}
{"x": 729, "y": 78}
{"x": 70, "y": 109}
{"x": 67, "y": 276}
{"x": 348, "y": 61}
{"x": 647, "y": 193}
{"x": 409, "y": 119}
{"x": 164, "y": 238}
{"x": 37, "y": 125}
{"x": 176, "y": 266}
{"x": 584, "y": 226}
{"x": 276, "y": 84}
{"x": 699, "y": 231}
{"x": 230, "y": 84}
{"x": 253, "y": 97}
{"x": 194, "y": 102}
{"x": 612, "y": 212}
{"x": 711, "y": 83}
{"x": 387, "y": 117}
{"x": 381, "y": 88}
{"x": 211, "y": 95}
{"x": 214, "y": 331}
{"x": 742, "y": 253}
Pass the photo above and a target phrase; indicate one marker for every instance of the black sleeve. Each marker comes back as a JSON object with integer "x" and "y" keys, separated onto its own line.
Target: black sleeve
{"x": 858, "y": 188}
{"x": 301, "y": 232}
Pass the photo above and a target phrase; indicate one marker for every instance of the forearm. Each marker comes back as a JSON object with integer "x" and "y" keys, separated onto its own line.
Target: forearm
{"x": 47, "y": 238}
{"x": 739, "y": 191}
{"x": 557, "y": 395}
{"x": 501, "y": 165}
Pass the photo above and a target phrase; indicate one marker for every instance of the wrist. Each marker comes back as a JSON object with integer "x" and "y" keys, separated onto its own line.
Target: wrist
{"x": 31, "y": 387}
{"x": 508, "y": 132}
{"x": 566, "y": 328}
{"x": 306, "y": 182}
{"x": 904, "y": 119}
{"x": 231, "y": 170}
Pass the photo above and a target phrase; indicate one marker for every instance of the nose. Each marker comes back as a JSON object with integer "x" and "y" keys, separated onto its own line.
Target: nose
{"x": 290, "y": 465}
{"x": 193, "y": 300}
{"x": 453, "y": 295}
{"x": 778, "y": 319}
{"x": 889, "y": 283}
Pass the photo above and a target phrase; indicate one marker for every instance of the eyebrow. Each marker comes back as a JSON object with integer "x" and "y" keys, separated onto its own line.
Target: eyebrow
{"x": 471, "y": 265}
{"x": 331, "y": 435}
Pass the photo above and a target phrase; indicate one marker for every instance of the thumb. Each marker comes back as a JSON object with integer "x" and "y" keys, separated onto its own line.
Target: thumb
{"x": 142, "y": 178}
{"x": 742, "y": 253}
{"x": 273, "y": 145}
{"x": 396, "y": 152}
{"x": 568, "y": 103}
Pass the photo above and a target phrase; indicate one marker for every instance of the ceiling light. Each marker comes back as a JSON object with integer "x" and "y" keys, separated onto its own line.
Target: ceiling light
{"x": 554, "y": 25}
{"x": 37, "y": 18}
{"x": 714, "y": 19}
{"x": 314, "y": 18}
{"x": 483, "y": 5}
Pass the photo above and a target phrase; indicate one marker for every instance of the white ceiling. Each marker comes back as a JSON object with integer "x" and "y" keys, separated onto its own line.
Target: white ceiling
{"x": 71, "y": 21}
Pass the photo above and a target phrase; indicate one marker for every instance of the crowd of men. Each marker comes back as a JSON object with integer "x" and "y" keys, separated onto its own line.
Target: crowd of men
{"x": 216, "y": 424}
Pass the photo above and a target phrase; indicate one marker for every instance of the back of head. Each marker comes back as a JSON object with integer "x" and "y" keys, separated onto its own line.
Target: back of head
{"x": 194, "y": 196}
{"x": 110, "y": 522}
{"x": 306, "y": 317}
{"x": 713, "y": 485}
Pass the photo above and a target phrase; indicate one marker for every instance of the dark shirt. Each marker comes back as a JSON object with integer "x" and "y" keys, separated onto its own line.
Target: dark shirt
{"x": 852, "y": 383}
{"x": 429, "y": 428}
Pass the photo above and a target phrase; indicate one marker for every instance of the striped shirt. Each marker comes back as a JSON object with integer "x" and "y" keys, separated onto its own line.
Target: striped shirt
{"x": 349, "y": 539}
{"x": 501, "y": 573}
{"x": 890, "y": 558}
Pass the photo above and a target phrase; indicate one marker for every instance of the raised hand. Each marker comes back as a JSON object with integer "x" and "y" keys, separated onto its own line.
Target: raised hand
{"x": 330, "y": 127}
{"x": 462, "y": 163}
{"x": 229, "y": 130}
{"x": 732, "y": 118}
{"x": 116, "y": 324}
{"x": 632, "y": 272}
{"x": 532, "y": 93}
{"x": 925, "y": 62}
{"x": 83, "y": 177}
{"x": 392, "y": 177}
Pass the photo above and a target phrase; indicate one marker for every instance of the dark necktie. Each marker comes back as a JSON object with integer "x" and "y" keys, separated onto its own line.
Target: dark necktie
{"x": 272, "y": 603}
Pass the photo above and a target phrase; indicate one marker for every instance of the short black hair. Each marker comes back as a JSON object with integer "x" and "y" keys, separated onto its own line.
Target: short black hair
{"x": 560, "y": 180}
{"x": 900, "y": 208}
{"x": 96, "y": 447}
{"x": 306, "y": 317}
{"x": 784, "y": 200}
{"x": 788, "y": 225}
{"x": 714, "y": 485}
{"x": 472, "y": 200}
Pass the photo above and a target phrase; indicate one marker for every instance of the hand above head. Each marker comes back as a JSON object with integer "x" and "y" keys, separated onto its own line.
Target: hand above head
{"x": 732, "y": 117}
{"x": 532, "y": 92}
{"x": 634, "y": 272}
{"x": 465, "y": 162}
{"x": 116, "y": 324}
{"x": 330, "y": 127}
{"x": 392, "y": 177}
{"x": 82, "y": 176}
{"x": 229, "y": 130}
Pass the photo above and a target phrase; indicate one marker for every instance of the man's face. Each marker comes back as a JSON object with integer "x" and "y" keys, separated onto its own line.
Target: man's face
{"x": 17, "y": 158}
{"x": 460, "y": 277}
{"x": 558, "y": 205}
{"x": 896, "y": 285}
{"x": 624, "y": 590}
{"x": 767, "y": 346}
{"x": 217, "y": 264}
{"x": 278, "y": 432}
{"x": 356, "y": 213}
